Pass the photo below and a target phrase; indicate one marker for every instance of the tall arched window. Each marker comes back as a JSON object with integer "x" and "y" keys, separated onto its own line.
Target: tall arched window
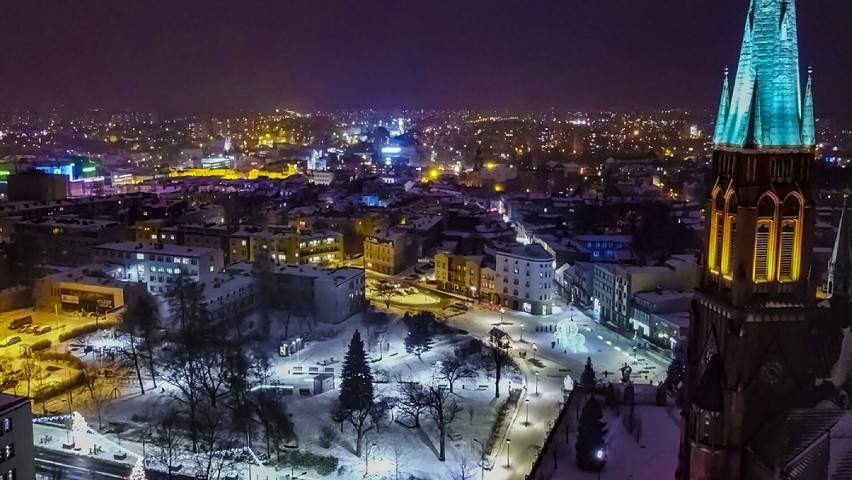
{"x": 764, "y": 241}
{"x": 717, "y": 228}
{"x": 729, "y": 250}
{"x": 789, "y": 247}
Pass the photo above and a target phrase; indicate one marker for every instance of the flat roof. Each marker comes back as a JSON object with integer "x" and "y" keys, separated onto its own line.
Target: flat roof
{"x": 532, "y": 251}
{"x": 69, "y": 221}
{"x": 340, "y": 275}
{"x": 11, "y": 402}
{"x": 159, "y": 249}
{"x": 662, "y": 295}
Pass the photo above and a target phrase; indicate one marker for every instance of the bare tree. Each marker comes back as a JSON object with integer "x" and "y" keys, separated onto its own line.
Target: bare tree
{"x": 168, "y": 442}
{"x": 385, "y": 291}
{"x": 499, "y": 356}
{"x": 399, "y": 453}
{"x": 214, "y": 436}
{"x": 30, "y": 371}
{"x": 453, "y": 368}
{"x": 141, "y": 318}
{"x": 443, "y": 409}
{"x": 465, "y": 468}
{"x": 414, "y": 401}
{"x": 98, "y": 387}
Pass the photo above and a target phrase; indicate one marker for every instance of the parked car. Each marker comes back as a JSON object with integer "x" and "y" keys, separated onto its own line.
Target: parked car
{"x": 12, "y": 341}
{"x": 412, "y": 276}
{"x": 460, "y": 306}
{"x": 42, "y": 330}
{"x": 29, "y": 328}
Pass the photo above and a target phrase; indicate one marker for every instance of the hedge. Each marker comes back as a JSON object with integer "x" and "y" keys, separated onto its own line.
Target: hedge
{"x": 48, "y": 392}
{"x": 40, "y": 345}
{"x": 86, "y": 329}
{"x": 502, "y": 416}
{"x": 323, "y": 464}
{"x": 61, "y": 357}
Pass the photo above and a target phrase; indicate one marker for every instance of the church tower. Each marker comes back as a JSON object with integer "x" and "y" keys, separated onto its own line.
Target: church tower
{"x": 755, "y": 302}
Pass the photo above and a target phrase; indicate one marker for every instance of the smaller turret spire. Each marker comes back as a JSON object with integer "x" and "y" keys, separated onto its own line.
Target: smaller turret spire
{"x": 808, "y": 123}
{"x": 839, "y": 267}
{"x": 724, "y": 106}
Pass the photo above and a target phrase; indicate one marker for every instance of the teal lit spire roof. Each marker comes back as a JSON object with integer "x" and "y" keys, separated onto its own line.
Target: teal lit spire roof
{"x": 765, "y": 109}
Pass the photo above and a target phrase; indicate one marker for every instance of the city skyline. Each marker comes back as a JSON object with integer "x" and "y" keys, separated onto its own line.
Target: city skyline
{"x": 178, "y": 59}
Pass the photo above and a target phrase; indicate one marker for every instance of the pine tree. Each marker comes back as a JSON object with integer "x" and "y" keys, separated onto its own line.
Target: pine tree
{"x": 591, "y": 433}
{"x": 356, "y": 386}
{"x": 675, "y": 372}
{"x": 419, "y": 338}
{"x": 587, "y": 378}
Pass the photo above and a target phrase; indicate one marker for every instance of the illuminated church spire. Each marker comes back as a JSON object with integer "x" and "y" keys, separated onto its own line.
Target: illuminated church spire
{"x": 724, "y": 106}
{"x": 839, "y": 268}
{"x": 766, "y": 103}
{"x": 808, "y": 124}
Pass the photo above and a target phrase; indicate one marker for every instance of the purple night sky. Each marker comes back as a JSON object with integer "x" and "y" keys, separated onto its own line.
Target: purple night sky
{"x": 208, "y": 55}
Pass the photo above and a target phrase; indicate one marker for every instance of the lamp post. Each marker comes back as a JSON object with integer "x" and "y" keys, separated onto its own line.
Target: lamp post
{"x": 508, "y": 443}
{"x": 522, "y": 333}
{"x": 481, "y": 457}
{"x": 536, "y": 383}
{"x": 370, "y": 447}
{"x": 502, "y": 311}
{"x": 528, "y": 412}
{"x": 535, "y": 350}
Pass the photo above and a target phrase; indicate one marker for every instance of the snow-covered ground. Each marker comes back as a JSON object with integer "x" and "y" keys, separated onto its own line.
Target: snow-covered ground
{"x": 543, "y": 368}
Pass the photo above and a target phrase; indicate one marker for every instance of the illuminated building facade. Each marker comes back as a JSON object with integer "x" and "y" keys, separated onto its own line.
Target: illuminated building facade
{"x": 755, "y": 304}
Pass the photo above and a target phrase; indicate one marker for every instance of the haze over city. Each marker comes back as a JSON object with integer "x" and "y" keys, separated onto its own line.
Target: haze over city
{"x": 494, "y": 240}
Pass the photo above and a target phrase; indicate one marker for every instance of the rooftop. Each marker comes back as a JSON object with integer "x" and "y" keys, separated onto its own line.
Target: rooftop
{"x": 533, "y": 251}
{"x": 157, "y": 248}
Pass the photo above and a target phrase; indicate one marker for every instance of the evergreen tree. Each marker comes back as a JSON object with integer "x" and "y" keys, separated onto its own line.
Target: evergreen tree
{"x": 587, "y": 378}
{"x": 591, "y": 433}
{"x": 356, "y": 385}
{"x": 419, "y": 338}
{"x": 675, "y": 372}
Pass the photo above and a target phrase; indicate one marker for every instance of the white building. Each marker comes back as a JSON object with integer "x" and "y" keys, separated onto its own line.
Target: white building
{"x": 17, "y": 453}
{"x": 157, "y": 264}
{"x": 525, "y": 276}
{"x": 329, "y": 295}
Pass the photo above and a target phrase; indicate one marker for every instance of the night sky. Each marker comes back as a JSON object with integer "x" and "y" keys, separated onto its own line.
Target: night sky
{"x": 182, "y": 56}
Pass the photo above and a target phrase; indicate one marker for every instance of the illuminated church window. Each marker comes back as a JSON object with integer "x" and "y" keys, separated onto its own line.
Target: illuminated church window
{"x": 730, "y": 236}
{"x": 789, "y": 248}
{"x": 764, "y": 243}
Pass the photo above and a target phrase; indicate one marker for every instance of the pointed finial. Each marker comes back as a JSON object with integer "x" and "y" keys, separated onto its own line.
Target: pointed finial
{"x": 810, "y": 70}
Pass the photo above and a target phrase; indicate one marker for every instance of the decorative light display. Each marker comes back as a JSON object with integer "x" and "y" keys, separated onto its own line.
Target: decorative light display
{"x": 568, "y": 336}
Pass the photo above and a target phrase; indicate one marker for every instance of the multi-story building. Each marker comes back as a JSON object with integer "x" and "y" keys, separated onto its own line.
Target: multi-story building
{"x": 390, "y": 252}
{"x": 307, "y": 247}
{"x": 89, "y": 288}
{"x": 662, "y": 316}
{"x": 678, "y": 273}
{"x": 488, "y": 281}
{"x": 229, "y": 297}
{"x": 603, "y": 292}
{"x": 603, "y": 248}
{"x": 329, "y": 295}
{"x": 525, "y": 277}
{"x": 17, "y": 451}
{"x": 64, "y": 240}
{"x": 459, "y": 273}
{"x": 157, "y": 264}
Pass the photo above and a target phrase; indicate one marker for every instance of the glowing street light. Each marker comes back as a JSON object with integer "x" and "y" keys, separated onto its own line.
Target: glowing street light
{"x": 522, "y": 333}
{"x": 528, "y": 412}
{"x": 508, "y": 443}
{"x": 536, "y": 383}
{"x": 502, "y": 311}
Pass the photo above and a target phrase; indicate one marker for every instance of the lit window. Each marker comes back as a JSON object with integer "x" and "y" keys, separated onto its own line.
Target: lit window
{"x": 140, "y": 256}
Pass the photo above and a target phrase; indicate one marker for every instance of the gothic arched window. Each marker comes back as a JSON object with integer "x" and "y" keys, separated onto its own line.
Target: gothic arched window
{"x": 764, "y": 241}
{"x": 717, "y": 228}
{"x": 789, "y": 245}
{"x": 729, "y": 250}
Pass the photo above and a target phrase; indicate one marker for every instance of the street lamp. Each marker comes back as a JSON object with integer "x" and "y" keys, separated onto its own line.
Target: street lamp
{"x": 502, "y": 311}
{"x": 508, "y": 443}
{"x": 535, "y": 350}
{"x": 528, "y": 412}
{"x": 536, "y": 383}
{"x": 370, "y": 448}
{"x": 522, "y": 333}
{"x": 481, "y": 457}
{"x": 600, "y": 456}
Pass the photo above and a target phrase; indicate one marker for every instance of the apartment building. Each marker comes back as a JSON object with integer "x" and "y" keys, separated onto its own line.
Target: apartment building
{"x": 17, "y": 451}
{"x": 525, "y": 279}
{"x": 64, "y": 240}
{"x": 390, "y": 252}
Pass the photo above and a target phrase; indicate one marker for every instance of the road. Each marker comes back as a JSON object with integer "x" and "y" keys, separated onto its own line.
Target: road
{"x": 543, "y": 393}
